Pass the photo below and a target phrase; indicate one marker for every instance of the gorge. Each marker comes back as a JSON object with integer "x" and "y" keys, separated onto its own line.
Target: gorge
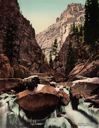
{"x": 36, "y": 94}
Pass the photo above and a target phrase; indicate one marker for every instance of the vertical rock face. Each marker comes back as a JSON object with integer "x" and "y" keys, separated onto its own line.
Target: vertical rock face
{"x": 75, "y": 59}
{"x": 61, "y": 29}
{"x": 63, "y": 63}
{"x": 17, "y": 37}
{"x": 71, "y": 53}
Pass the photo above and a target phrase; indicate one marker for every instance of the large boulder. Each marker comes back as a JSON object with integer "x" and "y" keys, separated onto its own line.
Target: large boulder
{"x": 88, "y": 89}
{"x": 42, "y": 101}
{"x": 38, "y": 105}
{"x": 64, "y": 97}
{"x": 89, "y": 69}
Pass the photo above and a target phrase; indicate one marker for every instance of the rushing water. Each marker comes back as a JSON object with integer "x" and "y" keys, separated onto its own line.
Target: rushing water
{"x": 83, "y": 117}
{"x": 3, "y": 114}
{"x": 10, "y": 115}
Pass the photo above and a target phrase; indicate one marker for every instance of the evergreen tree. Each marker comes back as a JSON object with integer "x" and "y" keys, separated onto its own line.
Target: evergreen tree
{"x": 50, "y": 60}
{"x": 54, "y": 48}
{"x": 11, "y": 48}
{"x": 75, "y": 30}
{"x": 71, "y": 59}
{"x": 91, "y": 26}
{"x": 53, "y": 53}
{"x": 81, "y": 30}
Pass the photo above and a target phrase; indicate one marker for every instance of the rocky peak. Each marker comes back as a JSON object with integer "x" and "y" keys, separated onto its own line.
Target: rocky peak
{"x": 60, "y": 30}
{"x": 75, "y": 7}
{"x": 74, "y": 12}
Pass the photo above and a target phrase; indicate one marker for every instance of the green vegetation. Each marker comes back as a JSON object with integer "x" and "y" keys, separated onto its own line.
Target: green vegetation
{"x": 50, "y": 60}
{"x": 53, "y": 53}
{"x": 78, "y": 31}
{"x": 71, "y": 59}
{"x": 11, "y": 47}
{"x": 91, "y": 26}
{"x": 74, "y": 29}
{"x": 54, "y": 48}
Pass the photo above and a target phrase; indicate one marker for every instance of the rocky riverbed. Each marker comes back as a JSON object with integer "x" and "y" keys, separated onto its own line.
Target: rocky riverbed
{"x": 11, "y": 116}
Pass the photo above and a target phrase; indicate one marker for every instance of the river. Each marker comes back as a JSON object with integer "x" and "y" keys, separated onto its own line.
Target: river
{"x": 12, "y": 117}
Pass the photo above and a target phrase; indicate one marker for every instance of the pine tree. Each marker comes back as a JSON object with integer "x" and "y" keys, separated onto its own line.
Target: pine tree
{"x": 50, "y": 60}
{"x": 54, "y": 48}
{"x": 53, "y": 53}
{"x": 71, "y": 59}
{"x": 91, "y": 26}
{"x": 73, "y": 28}
{"x": 81, "y": 30}
{"x": 11, "y": 49}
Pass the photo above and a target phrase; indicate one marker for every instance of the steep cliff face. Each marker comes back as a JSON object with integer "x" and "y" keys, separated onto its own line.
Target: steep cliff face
{"x": 17, "y": 37}
{"x": 60, "y": 30}
{"x": 67, "y": 56}
{"x": 76, "y": 58}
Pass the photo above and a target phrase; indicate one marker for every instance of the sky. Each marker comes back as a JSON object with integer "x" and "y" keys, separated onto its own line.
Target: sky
{"x": 43, "y": 13}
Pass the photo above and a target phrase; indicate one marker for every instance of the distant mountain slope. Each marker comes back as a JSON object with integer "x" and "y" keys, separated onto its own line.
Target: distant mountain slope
{"x": 60, "y": 30}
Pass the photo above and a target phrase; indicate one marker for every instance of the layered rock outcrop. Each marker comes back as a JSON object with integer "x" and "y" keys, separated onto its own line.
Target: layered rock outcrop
{"x": 61, "y": 29}
{"x": 89, "y": 69}
{"x": 5, "y": 68}
{"x": 17, "y": 37}
{"x": 88, "y": 89}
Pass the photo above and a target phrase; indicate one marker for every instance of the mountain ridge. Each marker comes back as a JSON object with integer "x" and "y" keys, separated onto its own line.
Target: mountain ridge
{"x": 60, "y": 30}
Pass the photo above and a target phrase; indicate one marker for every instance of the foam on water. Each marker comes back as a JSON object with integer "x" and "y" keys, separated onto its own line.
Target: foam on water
{"x": 3, "y": 114}
{"x": 10, "y": 114}
{"x": 84, "y": 117}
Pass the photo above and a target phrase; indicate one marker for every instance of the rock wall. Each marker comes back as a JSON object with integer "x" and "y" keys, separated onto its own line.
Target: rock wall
{"x": 77, "y": 59}
{"x": 17, "y": 37}
{"x": 72, "y": 53}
